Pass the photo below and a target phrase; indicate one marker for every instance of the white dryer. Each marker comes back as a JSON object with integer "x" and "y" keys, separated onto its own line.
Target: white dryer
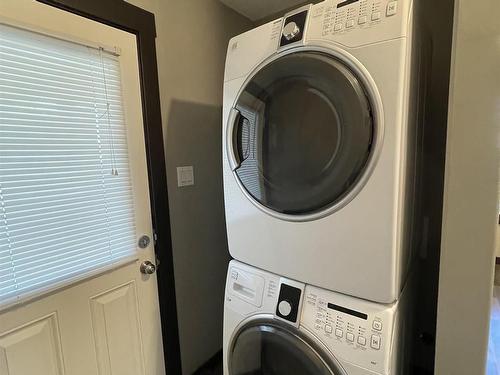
{"x": 319, "y": 118}
{"x": 274, "y": 325}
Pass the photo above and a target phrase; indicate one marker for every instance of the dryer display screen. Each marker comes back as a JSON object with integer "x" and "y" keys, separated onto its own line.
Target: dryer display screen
{"x": 348, "y": 311}
{"x": 347, "y": 2}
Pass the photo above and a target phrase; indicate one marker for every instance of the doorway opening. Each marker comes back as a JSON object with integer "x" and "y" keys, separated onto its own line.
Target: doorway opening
{"x": 493, "y": 363}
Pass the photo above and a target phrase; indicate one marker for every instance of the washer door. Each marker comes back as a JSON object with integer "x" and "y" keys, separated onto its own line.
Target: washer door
{"x": 300, "y": 135}
{"x": 269, "y": 349}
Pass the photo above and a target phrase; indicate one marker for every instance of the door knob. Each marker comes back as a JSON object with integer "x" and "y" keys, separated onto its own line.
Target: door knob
{"x": 147, "y": 267}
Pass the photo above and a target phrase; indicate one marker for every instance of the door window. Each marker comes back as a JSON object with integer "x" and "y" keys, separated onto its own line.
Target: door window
{"x": 66, "y": 204}
{"x": 304, "y": 134}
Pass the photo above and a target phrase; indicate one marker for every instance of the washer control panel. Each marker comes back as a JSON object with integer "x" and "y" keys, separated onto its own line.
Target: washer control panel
{"x": 350, "y": 326}
{"x": 344, "y": 323}
{"x": 359, "y": 332}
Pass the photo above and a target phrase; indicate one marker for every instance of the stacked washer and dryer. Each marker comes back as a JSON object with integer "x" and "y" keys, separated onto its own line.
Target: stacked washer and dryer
{"x": 320, "y": 117}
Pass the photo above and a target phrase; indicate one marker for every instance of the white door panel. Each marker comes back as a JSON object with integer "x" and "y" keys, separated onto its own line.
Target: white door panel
{"x": 117, "y": 332}
{"x": 34, "y": 348}
{"x": 107, "y": 323}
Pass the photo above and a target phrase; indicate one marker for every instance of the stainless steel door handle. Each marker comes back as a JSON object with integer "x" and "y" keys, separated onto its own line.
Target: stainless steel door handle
{"x": 147, "y": 268}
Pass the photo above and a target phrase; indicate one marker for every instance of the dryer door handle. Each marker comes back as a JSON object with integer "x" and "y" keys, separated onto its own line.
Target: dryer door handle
{"x": 234, "y": 127}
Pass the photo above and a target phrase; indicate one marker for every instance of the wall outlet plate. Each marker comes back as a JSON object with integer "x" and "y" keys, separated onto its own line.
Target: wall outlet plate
{"x": 185, "y": 176}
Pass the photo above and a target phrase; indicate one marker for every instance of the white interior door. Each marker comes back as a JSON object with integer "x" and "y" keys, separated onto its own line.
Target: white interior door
{"x": 72, "y": 297}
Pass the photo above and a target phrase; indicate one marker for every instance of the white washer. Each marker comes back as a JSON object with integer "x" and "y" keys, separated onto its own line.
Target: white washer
{"x": 319, "y": 122}
{"x": 274, "y": 325}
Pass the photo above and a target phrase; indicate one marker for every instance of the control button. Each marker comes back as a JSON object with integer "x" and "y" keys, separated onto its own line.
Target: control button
{"x": 375, "y": 16}
{"x": 339, "y": 332}
{"x": 362, "y": 340}
{"x": 291, "y": 30}
{"x": 349, "y": 336}
{"x": 338, "y": 27}
{"x": 377, "y": 325}
{"x": 349, "y": 24}
{"x": 328, "y": 328}
{"x": 375, "y": 343}
{"x": 285, "y": 308}
{"x": 392, "y": 8}
{"x": 362, "y": 20}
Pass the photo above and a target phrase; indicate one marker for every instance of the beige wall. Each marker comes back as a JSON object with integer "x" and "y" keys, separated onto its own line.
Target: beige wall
{"x": 471, "y": 177}
{"x": 191, "y": 47}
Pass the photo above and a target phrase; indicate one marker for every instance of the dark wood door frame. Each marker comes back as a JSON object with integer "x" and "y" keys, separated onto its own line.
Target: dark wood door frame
{"x": 127, "y": 17}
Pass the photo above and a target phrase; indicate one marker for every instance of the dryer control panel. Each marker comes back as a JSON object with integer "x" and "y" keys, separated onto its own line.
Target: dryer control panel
{"x": 359, "y": 22}
{"x": 351, "y": 326}
{"x": 349, "y": 14}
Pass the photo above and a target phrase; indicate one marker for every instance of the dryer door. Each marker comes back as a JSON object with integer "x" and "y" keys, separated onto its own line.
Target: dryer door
{"x": 301, "y": 135}
{"x": 263, "y": 348}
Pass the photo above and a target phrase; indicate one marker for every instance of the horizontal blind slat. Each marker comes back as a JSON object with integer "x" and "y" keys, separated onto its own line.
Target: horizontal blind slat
{"x": 45, "y": 276}
{"x": 59, "y": 216}
{"x": 18, "y": 75}
{"x": 54, "y": 259}
{"x": 42, "y": 93}
{"x": 68, "y": 225}
{"x": 71, "y": 240}
{"x": 50, "y": 199}
{"x": 63, "y": 190}
{"x": 43, "y": 71}
{"x": 26, "y": 41}
{"x": 90, "y": 68}
{"x": 41, "y": 86}
{"x": 67, "y": 203}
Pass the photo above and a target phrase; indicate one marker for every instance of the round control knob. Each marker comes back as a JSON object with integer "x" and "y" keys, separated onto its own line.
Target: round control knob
{"x": 290, "y": 30}
{"x": 285, "y": 308}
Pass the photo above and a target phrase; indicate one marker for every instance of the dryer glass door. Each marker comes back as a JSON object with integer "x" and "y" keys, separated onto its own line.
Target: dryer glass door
{"x": 303, "y": 135}
{"x": 264, "y": 349}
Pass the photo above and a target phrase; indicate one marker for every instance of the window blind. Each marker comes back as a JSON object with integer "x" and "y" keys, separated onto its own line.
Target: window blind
{"x": 66, "y": 202}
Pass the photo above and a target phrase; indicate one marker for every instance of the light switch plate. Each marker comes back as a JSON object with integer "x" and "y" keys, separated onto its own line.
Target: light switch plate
{"x": 185, "y": 176}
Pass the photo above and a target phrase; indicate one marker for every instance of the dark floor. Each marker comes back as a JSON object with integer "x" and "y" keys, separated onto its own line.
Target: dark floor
{"x": 212, "y": 367}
